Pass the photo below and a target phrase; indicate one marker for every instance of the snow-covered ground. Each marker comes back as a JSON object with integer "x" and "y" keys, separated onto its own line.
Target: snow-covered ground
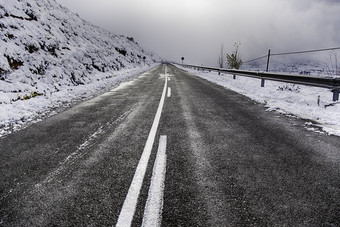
{"x": 302, "y": 66}
{"x": 310, "y": 103}
{"x": 50, "y": 57}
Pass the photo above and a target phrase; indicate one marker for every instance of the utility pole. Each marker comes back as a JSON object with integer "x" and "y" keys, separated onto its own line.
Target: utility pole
{"x": 268, "y": 60}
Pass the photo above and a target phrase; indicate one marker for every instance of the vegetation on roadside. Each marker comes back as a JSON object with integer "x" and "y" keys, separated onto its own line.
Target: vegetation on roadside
{"x": 28, "y": 96}
{"x": 234, "y": 60}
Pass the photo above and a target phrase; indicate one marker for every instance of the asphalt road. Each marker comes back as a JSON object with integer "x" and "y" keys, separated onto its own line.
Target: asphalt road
{"x": 229, "y": 162}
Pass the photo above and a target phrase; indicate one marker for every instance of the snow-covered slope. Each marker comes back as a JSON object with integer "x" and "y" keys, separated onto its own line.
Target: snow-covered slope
{"x": 45, "y": 48}
{"x": 303, "y": 67}
{"x": 50, "y": 59}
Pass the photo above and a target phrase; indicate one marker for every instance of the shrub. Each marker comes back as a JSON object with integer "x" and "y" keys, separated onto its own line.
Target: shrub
{"x": 234, "y": 60}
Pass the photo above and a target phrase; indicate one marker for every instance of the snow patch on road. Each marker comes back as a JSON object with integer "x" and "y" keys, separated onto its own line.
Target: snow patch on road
{"x": 69, "y": 160}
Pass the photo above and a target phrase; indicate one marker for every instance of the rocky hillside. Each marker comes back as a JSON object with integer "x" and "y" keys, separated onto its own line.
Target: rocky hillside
{"x": 44, "y": 48}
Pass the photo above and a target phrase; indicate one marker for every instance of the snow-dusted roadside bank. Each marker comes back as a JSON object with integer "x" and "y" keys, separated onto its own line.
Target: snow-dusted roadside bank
{"x": 50, "y": 58}
{"x": 314, "y": 104}
{"x": 21, "y": 113}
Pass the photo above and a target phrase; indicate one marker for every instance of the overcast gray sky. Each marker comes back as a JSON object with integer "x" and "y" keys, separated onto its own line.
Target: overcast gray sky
{"x": 196, "y": 29}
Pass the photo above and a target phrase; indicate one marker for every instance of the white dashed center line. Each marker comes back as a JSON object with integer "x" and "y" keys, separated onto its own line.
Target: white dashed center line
{"x": 154, "y": 204}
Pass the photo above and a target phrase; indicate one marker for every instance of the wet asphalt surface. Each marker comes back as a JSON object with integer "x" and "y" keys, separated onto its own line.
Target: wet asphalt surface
{"x": 229, "y": 161}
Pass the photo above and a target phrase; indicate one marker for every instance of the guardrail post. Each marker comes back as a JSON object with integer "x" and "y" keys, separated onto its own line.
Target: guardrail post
{"x": 262, "y": 82}
{"x": 336, "y": 92}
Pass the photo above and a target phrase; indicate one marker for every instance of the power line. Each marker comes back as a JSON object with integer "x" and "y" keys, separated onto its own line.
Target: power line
{"x": 256, "y": 59}
{"x": 306, "y": 51}
{"x": 297, "y": 52}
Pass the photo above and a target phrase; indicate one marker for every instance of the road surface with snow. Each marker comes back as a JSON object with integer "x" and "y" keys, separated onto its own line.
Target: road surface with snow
{"x": 212, "y": 157}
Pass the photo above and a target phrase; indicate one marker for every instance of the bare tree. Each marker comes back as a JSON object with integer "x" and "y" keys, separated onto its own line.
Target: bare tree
{"x": 234, "y": 60}
{"x": 221, "y": 57}
{"x": 332, "y": 67}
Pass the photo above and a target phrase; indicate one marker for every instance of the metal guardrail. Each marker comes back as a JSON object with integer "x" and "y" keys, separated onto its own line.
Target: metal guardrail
{"x": 323, "y": 82}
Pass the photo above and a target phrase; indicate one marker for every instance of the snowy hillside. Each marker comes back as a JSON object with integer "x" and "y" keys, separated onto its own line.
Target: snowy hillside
{"x": 51, "y": 58}
{"x": 45, "y": 48}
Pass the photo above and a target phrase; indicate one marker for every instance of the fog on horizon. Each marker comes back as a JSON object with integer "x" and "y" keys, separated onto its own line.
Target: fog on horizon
{"x": 195, "y": 29}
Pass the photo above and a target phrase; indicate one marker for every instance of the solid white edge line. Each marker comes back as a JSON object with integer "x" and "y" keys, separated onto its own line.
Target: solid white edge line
{"x": 154, "y": 204}
{"x": 128, "y": 210}
{"x": 169, "y": 92}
